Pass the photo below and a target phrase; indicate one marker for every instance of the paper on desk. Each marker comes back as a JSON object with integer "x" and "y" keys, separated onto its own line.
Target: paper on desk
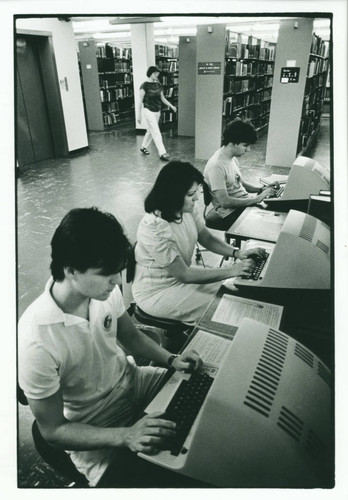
{"x": 232, "y": 310}
{"x": 211, "y": 348}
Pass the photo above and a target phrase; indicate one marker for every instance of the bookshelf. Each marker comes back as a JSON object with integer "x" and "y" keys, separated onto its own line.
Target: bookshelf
{"x": 167, "y": 62}
{"x": 248, "y": 79}
{"x": 107, "y": 82}
{"x": 315, "y": 94}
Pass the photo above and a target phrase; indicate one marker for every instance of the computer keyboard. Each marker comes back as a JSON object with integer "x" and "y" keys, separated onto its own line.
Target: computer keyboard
{"x": 260, "y": 263}
{"x": 280, "y": 191}
{"x": 185, "y": 406}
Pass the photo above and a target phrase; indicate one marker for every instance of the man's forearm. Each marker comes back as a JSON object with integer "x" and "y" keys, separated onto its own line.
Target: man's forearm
{"x": 239, "y": 202}
{"x": 80, "y": 436}
{"x": 147, "y": 348}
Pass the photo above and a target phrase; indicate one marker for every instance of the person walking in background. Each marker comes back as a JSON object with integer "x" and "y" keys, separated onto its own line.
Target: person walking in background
{"x": 151, "y": 97}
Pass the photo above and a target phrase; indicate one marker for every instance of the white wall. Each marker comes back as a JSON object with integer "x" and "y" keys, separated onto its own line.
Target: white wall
{"x": 67, "y": 67}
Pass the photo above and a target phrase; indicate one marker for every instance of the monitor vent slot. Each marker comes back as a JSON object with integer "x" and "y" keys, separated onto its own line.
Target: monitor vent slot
{"x": 327, "y": 180}
{"x": 265, "y": 381}
{"x": 314, "y": 445}
{"x": 324, "y": 373}
{"x": 308, "y": 228}
{"x": 318, "y": 172}
{"x": 291, "y": 424}
{"x": 322, "y": 246}
{"x": 305, "y": 355}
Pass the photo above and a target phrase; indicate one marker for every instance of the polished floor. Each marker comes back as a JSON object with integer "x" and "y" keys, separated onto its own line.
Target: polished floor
{"x": 114, "y": 176}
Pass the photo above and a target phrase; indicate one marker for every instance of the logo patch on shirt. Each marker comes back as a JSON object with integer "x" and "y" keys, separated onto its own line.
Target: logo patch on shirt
{"x": 107, "y": 322}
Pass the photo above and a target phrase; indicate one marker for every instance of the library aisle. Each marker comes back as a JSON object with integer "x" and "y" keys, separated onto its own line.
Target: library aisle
{"x": 113, "y": 176}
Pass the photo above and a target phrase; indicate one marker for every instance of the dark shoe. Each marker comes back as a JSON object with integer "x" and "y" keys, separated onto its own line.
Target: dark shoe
{"x": 145, "y": 151}
{"x": 164, "y": 157}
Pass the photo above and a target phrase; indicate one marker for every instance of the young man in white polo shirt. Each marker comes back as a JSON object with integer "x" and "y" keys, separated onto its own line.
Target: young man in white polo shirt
{"x": 85, "y": 394}
{"x": 231, "y": 194}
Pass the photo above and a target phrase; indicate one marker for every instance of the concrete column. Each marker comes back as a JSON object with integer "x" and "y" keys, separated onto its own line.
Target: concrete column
{"x": 287, "y": 98}
{"x": 143, "y": 56}
{"x": 209, "y": 89}
{"x": 187, "y": 86}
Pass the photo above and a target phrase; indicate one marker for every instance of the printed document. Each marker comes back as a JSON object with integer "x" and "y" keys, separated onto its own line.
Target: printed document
{"x": 231, "y": 310}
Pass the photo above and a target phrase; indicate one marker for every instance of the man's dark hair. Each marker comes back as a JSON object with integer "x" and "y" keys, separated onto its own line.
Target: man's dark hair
{"x": 239, "y": 131}
{"x": 168, "y": 193}
{"x": 88, "y": 238}
{"x": 152, "y": 69}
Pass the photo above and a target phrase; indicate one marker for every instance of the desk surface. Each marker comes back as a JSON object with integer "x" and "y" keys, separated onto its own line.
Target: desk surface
{"x": 258, "y": 224}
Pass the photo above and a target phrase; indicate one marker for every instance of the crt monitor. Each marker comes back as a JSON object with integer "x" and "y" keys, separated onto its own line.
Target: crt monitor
{"x": 266, "y": 420}
{"x": 307, "y": 176}
{"x": 300, "y": 259}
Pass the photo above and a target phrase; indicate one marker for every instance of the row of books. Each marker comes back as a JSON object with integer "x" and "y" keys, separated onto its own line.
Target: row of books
{"x": 234, "y": 103}
{"x": 319, "y": 46}
{"x": 314, "y": 100}
{"x": 165, "y": 51}
{"x": 168, "y": 115}
{"x": 168, "y": 80}
{"x": 115, "y": 117}
{"x": 171, "y": 92}
{"x": 243, "y": 47}
{"x": 241, "y": 68}
{"x": 237, "y": 86}
{"x": 117, "y": 106}
{"x": 112, "y": 80}
{"x": 233, "y": 86}
{"x": 170, "y": 66}
{"x": 114, "y": 94}
{"x": 111, "y": 65}
{"x": 244, "y": 51}
{"x": 313, "y": 84}
{"x": 256, "y": 114}
{"x": 316, "y": 66}
{"x": 110, "y": 51}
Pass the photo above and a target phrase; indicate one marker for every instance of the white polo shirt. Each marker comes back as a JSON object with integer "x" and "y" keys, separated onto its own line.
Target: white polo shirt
{"x": 58, "y": 350}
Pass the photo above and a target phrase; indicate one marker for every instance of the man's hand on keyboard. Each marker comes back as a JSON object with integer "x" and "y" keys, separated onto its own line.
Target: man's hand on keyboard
{"x": 268, "y": 192}
{"x": 149, "y": 434}
{"x": 188, "y": 361}
{"x": 254, "y": 253}
{"x": 243, "y": 267}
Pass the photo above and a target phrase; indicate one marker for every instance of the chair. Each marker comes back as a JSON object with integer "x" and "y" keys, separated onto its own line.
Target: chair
{"x": 58, "y": 459}
{"x": 172, "y": 332}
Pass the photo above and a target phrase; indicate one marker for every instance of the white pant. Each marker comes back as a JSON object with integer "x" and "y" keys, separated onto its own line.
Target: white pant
{"x": 153, "y": 132}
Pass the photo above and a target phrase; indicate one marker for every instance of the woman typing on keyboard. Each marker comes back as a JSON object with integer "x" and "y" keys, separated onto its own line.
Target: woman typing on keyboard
{"x": 166, "y": 285}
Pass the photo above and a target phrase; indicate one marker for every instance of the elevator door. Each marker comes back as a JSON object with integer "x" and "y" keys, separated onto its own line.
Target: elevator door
{"x": 34, "y": 142}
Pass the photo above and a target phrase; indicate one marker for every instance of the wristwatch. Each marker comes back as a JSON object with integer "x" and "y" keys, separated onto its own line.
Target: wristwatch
{"x": 171, "y": 359}
{"x": 235, "y": 249}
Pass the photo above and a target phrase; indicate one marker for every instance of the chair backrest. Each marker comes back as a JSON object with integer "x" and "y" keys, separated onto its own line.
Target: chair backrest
{"x": 58, "y": 459}
{"x": 207, "y": 194}
{"x": 130, "y": 271}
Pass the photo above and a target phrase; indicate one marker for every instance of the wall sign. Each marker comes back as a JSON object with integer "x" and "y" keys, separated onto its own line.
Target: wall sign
{"x": 289, "y": 75}
{"x": 209, "y": 68}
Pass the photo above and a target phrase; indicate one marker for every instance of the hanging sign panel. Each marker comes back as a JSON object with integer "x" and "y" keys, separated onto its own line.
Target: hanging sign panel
{"x": 209, "y": 68}
{"x": 289, "y": 75}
